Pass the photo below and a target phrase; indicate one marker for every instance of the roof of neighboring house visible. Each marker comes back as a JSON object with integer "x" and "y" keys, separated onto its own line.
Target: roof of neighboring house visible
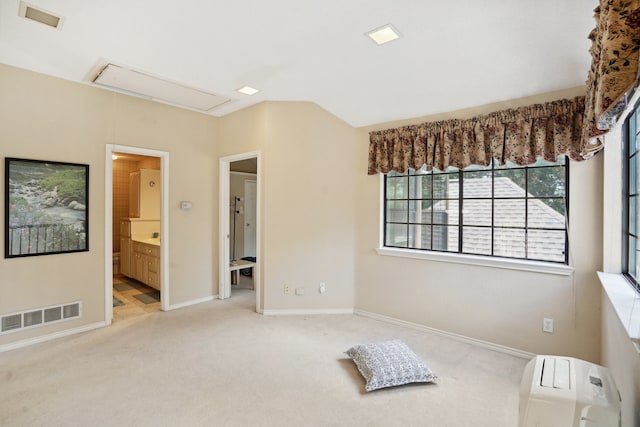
{"x": 508, "y": 211}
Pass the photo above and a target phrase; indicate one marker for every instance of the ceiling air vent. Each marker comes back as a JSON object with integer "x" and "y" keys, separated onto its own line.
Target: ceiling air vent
{"x": 31, "y": 12}
{"x": 157, "y": 89}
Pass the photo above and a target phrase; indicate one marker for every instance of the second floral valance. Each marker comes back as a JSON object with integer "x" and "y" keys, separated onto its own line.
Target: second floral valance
{"x": 517, "y": 135}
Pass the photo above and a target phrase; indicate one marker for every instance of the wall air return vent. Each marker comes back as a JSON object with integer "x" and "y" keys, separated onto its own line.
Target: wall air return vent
{"x": 35, "y": 14}
{"x": 156, "y": 89}
{"x": 11, "y": 322}
{"x": 32, "y": 318}
{"x": 40, "y": 316}
{"x": 53, "y": 314}
{"x": 71, "y": 310}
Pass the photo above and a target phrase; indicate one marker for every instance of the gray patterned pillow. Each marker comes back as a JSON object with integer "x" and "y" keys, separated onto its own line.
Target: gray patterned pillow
{"x": 389, "y": 363}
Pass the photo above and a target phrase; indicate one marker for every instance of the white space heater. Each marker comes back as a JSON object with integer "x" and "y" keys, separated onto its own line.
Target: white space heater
{"x": 566, "y": 392}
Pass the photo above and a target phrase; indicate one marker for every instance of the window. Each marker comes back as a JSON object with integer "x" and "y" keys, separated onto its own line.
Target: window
{"x": 631, "y": 157}
{"x": 500, "y": 211}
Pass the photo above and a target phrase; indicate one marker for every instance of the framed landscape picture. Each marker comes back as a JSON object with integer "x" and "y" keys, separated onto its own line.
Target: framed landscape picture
{"x": 46, "y": 207}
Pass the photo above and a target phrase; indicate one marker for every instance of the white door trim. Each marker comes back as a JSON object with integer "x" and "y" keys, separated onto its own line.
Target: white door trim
{"x": 224, "y": 280}
{"x": 108, "y": 229}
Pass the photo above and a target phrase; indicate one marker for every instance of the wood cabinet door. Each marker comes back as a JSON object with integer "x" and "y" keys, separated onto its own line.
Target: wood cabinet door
{"x": 141, "y": 271}
{"x": 125, "y": 256}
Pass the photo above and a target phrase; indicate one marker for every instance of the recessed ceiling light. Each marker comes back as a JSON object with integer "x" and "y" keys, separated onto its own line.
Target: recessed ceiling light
{"x": 384, "y": 34}
{"x": 248, "y": 90}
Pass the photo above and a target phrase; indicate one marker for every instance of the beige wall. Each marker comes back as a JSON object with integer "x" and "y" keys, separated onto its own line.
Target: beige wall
{"x": 52, "y": 119}
{"x": 308, "y": 195}
{"x": 504, "y": 307}
{"x": 320, "y": 220}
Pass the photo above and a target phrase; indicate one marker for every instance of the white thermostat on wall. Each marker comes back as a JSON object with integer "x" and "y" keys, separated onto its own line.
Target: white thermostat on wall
{"x": 186, "y": 205}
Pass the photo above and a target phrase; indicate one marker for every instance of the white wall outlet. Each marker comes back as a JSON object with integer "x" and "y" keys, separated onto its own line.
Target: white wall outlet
{"x": 300, "y": 291}
{"x": 547, "y": 325}
{"x": 322, "y": 288}
{"x": 285, "y": 290}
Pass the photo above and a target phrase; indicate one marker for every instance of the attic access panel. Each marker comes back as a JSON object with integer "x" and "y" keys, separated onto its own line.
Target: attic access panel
{"x": 157, "y": 89}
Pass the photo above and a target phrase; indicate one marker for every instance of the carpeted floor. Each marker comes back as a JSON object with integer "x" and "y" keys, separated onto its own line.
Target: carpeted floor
{"x": 219, "y": 363}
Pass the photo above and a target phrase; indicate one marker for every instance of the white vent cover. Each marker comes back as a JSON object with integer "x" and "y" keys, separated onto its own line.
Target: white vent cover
{"x": 146, "y": 86}
{"x": 39, "y": 316}
{"x": 39, "y": 15}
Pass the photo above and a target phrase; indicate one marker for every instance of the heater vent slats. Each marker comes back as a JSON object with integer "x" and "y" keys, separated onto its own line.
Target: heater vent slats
{"x": 40, "y": 316}
{"x": 32, "y": 318}
{"x": 52, "y": 314}
{"x": 11, "y": 322}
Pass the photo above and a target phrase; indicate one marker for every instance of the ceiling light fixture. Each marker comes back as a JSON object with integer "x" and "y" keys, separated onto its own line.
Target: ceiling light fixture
{"x": 248, "y": 90}
{"x": 384, "y": 34}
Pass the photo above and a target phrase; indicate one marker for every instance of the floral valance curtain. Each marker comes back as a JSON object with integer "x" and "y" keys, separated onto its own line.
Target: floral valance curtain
{"x": 614, "y": 67}
{"x": 517, "y": 135}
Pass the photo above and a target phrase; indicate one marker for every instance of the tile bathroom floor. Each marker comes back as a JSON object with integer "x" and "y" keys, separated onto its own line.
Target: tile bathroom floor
{"x": 125, "y": 289}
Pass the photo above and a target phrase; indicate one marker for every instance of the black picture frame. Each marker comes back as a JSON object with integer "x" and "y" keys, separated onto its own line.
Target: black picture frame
{"x": 46, "y": 207}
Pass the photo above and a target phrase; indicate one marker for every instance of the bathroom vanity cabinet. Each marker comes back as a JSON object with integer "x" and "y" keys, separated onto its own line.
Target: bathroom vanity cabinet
{"x": 139, "y": 251}
{"x": 146, "y": 262}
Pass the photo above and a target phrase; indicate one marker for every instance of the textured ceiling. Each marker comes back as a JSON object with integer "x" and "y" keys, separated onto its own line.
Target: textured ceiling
{"x": 453, "y": 54}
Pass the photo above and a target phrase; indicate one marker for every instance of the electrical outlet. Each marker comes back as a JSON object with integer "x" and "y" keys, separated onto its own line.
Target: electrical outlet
{"x": 547, "y": 325}
{"x": 322, "y": 288}
{"x": 300, "y": 291}
{"x": 286, "y": 289}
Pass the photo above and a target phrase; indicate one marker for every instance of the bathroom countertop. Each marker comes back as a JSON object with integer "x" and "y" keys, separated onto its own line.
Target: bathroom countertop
{"x": 148, "y": 240}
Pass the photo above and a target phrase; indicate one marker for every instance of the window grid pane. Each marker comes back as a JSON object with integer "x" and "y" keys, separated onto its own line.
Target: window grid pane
{"x": 507, "y": 211}
{"x": 631, "y": 165}
{"x": 510, "y": 243}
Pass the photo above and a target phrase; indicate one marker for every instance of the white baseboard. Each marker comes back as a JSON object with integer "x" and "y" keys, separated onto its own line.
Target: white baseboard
{"x": 49, "y": 337}
{"x": 477, "y": 342}
{"x": 192, "y": 302}
{"x": 310, "y": 311}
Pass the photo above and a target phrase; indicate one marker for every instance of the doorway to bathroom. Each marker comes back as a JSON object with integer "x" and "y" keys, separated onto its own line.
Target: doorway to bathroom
{"x": 240, "y": 227}
{"x": 137, "y": 239}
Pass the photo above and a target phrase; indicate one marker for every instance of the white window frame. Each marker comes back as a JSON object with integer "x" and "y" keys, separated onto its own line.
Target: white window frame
{"x": 623, "y": 297}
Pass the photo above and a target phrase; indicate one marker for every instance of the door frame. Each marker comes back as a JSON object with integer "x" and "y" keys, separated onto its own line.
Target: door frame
{"x": 108, "y": 229}
{"x": 224, "y": 280}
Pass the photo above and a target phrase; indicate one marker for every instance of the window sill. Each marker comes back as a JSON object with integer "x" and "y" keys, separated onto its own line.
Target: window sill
{"x": 511, "y": 264}
{"x": 625, "y": 301}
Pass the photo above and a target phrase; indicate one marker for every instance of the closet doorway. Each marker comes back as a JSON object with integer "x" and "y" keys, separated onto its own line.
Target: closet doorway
{"x": 240, "y": 225}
